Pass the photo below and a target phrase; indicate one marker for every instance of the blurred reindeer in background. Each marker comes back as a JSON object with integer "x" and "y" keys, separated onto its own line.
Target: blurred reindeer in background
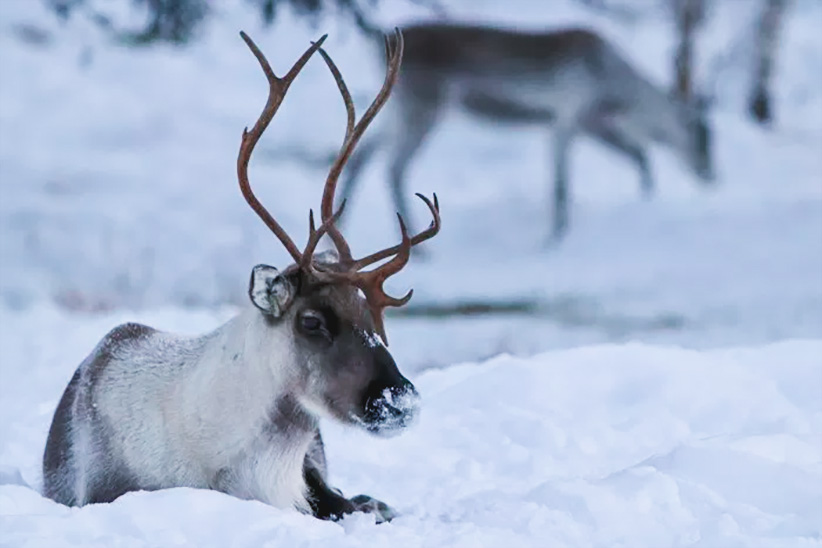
{"x": 571, "y": 80}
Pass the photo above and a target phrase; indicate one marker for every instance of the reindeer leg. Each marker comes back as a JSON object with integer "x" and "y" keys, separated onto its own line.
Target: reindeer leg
{"x": 419, "y": 104}
{"x": 326, "y": 503}
{"x": 562, "y": 142}
{"x": 329, "y": 503}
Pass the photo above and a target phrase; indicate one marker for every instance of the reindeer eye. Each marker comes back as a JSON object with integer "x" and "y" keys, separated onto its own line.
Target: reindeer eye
{"x": 318, "y": 321}
{"x": 311, "y": 322}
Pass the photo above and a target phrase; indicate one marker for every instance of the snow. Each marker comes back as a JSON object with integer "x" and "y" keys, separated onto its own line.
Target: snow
{"x": 665, "y": 388}
{"x": 610, "y": 445}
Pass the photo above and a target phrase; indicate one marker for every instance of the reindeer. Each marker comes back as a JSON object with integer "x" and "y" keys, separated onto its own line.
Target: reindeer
{"x": 237, "y": 409}
{"x": 570, "y": 80}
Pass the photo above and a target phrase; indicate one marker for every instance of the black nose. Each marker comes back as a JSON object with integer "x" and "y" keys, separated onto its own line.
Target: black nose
{"x": 389, "y": 409}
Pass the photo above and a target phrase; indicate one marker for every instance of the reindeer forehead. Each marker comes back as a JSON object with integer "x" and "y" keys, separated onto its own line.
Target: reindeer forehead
{"x": 346, "y": 300}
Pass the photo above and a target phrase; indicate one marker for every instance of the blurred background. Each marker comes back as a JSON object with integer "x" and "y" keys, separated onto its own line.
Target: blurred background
{"x": 120, "y": 122}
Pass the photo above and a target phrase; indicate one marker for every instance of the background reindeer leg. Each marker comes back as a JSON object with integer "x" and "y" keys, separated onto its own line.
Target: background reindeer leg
{"x": 417, "y": 105}
{"x": 563, "y": 135}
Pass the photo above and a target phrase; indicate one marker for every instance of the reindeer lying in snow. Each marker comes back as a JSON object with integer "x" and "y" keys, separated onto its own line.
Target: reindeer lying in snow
{"x": 237, "y": 409}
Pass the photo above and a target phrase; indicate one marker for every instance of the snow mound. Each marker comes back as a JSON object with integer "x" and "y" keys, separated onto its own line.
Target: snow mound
{"x": 619, "y": 445}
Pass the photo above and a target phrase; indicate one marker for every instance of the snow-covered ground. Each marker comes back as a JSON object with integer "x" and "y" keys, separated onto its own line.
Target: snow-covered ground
{"x": 622, "y": 445}
{"x": 667, "y": 389}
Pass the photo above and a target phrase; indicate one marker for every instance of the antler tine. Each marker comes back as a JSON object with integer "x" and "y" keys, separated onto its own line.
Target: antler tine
{"x": 426, "y": 234}
{"x": 401, "y": 258}
{"x": 353, "y": 134}
{"x": 377, "y": 302}
{"x": 276, "y": 94}
{"x": 349, "y": 103}
{"x": 314, "y": 236}
{"x": 328, "y": 192}
{"x": 391, "y": 75}
{"x": 371, "y": 282}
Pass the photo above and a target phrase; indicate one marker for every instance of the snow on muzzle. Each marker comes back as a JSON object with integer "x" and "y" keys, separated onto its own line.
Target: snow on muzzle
{"x": 391, "y": 409}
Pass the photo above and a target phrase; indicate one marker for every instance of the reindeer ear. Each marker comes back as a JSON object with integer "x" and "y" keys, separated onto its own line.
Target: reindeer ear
{"x": 270, "y": 291}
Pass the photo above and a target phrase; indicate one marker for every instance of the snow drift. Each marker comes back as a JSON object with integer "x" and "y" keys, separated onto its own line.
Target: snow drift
{"x": 620, "y": 445}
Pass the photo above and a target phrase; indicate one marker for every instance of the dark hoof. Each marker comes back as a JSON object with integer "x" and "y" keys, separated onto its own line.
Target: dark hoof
{"x": 364, "y": 503}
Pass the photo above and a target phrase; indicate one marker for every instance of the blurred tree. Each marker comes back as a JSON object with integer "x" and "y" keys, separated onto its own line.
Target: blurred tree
{"x": 170, "y": 21}
{"x": 688, "y": 16}
{"x": 175, "y": 21}
{"x": 316, "y": 8}
{"x": 760, "y": 104}
{"x": 63, "y": 8}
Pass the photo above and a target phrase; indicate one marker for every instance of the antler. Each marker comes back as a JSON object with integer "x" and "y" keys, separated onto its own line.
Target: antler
{"x": 348, "y": 270}
{"x": 277, "y": 88}
{"x": 370, "y": 282}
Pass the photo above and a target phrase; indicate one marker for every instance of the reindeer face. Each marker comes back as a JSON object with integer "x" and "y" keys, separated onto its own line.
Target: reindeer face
{"x": 343, "y": 367}
{"x": 345, "y": 370}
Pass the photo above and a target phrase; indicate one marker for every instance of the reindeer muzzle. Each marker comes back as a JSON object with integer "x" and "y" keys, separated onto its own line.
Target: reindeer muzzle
{"x": 391, "y": 409}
